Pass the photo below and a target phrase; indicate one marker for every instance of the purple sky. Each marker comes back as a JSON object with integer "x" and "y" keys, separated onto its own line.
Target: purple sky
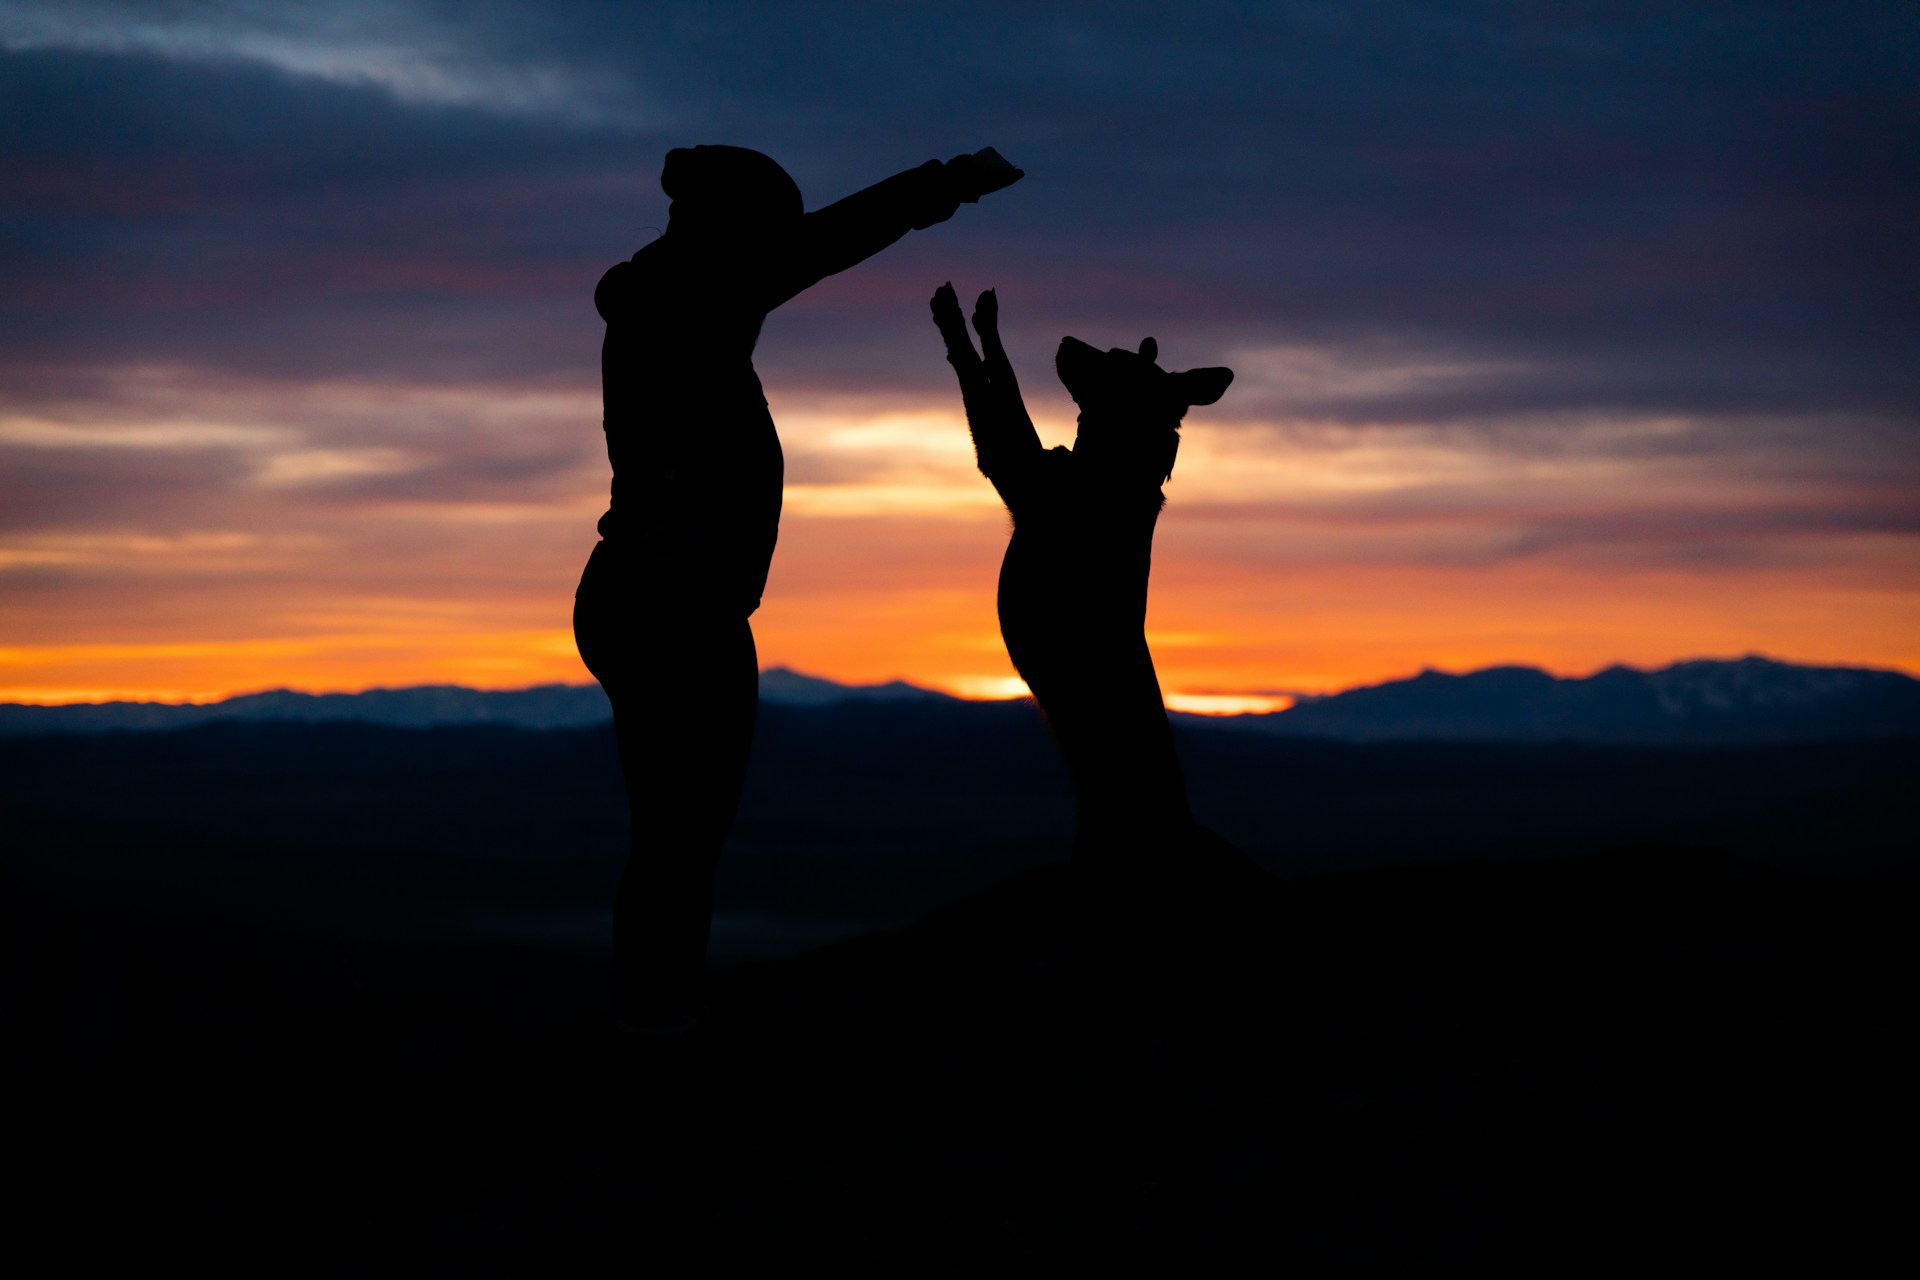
{"x": 297, "y": 313}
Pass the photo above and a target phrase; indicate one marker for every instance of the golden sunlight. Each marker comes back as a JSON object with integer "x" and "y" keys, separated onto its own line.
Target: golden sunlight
{"x": 1292, "y": 558}
{"x": 1226, "y": 704}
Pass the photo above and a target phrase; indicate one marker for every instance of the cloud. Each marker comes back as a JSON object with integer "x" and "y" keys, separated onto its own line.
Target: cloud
{"x": 1651, "y": 200}
{"x": 1610, "y": 286}
{"x": 420, "y": 55}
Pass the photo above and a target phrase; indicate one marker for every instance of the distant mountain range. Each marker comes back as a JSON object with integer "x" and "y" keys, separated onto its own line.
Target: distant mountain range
{"x": 547, "y": 706}
{"x": 1699, "y": 703}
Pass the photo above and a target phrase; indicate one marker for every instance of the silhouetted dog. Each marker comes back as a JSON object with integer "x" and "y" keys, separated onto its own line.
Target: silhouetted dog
{"x": 1073, "y": 594}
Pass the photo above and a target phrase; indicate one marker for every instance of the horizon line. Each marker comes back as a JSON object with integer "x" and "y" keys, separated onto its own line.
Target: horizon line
{"x": 1196, "y": 696}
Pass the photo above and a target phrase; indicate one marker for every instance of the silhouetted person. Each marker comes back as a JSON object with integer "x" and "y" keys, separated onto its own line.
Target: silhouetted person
{"x": 1073, "y": 603}
{"x": 661, "y": 612}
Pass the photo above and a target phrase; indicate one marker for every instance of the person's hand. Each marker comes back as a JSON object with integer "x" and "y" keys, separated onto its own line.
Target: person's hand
{"x": 981, "y": 173}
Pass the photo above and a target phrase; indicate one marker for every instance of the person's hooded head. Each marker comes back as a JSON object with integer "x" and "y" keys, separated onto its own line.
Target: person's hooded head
{"x": 730, "y": 191}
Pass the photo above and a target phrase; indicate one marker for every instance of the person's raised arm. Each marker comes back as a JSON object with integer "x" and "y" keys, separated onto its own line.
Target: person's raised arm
{"x": 854, "y": 229}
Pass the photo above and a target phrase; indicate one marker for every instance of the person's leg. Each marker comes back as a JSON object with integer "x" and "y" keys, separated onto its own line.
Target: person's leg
{"x": 684, "y": 735}
{"x": 684, "y": 684}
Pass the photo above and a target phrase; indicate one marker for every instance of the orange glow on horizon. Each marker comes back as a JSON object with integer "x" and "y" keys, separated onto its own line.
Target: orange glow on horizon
{"x": 1228, "y": 704}
{"x": 1285, "y": 564}
{"x": 1243, "y": 645}
{"x": 210, "y": 672}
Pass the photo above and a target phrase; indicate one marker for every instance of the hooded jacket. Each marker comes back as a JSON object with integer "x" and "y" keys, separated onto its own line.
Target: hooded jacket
{"x": 697, "y": 467}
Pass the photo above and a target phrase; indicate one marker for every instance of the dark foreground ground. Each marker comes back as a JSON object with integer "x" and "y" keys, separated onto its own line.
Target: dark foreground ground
{"x": 286, "y": 1000}
{"x": 1664, "y": 1058}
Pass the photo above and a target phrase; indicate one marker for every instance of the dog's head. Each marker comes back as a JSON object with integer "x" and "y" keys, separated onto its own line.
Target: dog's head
{"x": 1130, "y": 408}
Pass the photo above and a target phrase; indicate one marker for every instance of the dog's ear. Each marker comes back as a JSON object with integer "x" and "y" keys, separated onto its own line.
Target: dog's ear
{"x": 1149, "y": 350}
{"x": 1202, "y": 386}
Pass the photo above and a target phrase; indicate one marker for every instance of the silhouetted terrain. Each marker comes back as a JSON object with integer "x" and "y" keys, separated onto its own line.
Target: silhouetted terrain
{"x": 857, "y": 815}
{"x": 547, "y": 706}
{"x": 321, "y": 1000}
{"x": 1706, "y": 703}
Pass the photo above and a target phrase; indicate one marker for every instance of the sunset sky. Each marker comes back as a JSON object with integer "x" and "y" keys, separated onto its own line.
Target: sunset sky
{"x": 1565, "y": 335}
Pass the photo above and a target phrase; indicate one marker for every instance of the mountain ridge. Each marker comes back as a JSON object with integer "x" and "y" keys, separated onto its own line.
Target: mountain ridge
{"x": 1698, "y": 702}
{"x": 545, "y": 706}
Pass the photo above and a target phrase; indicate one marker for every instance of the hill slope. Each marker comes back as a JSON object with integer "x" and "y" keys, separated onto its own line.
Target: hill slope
{"x": 1749, "y": 700}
